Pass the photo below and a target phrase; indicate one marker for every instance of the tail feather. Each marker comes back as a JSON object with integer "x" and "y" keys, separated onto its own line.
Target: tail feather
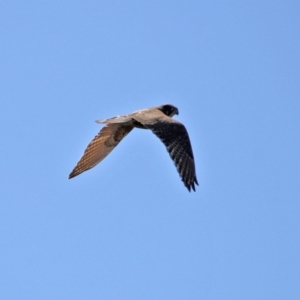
{"x": 117, "y": 119}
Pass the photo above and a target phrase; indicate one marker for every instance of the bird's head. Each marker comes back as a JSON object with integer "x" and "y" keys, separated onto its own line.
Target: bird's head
{"x": 169, "y": 110}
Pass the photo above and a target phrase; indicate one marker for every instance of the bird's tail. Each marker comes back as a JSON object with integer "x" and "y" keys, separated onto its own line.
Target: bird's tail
{"x": 117, "y": 119}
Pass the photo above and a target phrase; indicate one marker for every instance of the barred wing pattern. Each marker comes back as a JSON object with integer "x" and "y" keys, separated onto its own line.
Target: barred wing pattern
{"x": 158, "y": 119}
{"x": 175, "y": 137}
{"x": 102, "y": 144}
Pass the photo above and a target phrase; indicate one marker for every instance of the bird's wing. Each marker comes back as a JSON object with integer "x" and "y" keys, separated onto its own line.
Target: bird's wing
{"x": 102, "y": 144}
{"x": 175, "y": 137}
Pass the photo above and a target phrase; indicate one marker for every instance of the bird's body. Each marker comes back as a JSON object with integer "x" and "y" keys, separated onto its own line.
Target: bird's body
{"x": 158, "y": 119}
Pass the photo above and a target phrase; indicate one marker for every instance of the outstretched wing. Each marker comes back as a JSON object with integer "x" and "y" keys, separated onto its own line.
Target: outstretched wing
{"x": 102, "y": 144}
{"x": 175, "y": 137}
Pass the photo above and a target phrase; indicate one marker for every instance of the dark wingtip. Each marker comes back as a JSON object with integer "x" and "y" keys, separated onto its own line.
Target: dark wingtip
{"x": 72, "y": 174}
{"x": 191, "y": 186}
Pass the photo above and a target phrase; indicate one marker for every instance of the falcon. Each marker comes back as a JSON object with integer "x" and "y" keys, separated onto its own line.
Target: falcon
{"x": 159, "y": 120}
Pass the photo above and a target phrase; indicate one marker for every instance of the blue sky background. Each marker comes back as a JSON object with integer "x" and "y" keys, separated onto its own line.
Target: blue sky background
{"x": 129, "y": 229}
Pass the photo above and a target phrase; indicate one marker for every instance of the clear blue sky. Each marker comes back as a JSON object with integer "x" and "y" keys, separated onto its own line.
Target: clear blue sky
{"x": 129, "y": 229}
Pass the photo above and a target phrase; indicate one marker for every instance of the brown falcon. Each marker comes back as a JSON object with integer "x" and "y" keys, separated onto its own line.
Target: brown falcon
{"x": 159, "y": 119}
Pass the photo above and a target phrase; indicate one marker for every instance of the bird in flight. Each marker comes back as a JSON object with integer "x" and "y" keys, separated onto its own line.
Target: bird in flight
{"x": 159, "y": 120}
